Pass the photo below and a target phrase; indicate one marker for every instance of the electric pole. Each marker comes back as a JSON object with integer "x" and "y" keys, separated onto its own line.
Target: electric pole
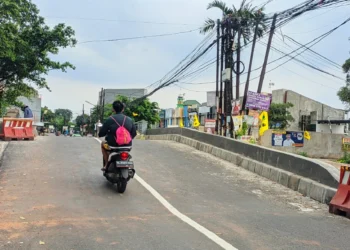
{"x": 227, "y": 82}
{"x": 221, "y": 82}
{"x": 217, "y": 76}
{"x": 238, "y": 62}
{"x": 263, "y": 70}
{"x": 103, "y": 95}
{"x": 250, "y": 65}
{"x": 83, "y": 120}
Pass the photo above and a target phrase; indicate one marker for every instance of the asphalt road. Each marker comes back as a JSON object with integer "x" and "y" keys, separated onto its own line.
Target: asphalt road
{"x": 52, "y": 192}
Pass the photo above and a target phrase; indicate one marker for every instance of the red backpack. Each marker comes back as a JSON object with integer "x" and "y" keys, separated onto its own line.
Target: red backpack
{"x": 122, "y": 135}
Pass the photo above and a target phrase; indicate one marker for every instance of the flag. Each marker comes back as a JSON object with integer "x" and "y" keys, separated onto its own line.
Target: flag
{"x": 307, "y": 135}
{"x": 181, "y": 124}
{"x": 195, "y": 121}
{"x": 264, "y": 122}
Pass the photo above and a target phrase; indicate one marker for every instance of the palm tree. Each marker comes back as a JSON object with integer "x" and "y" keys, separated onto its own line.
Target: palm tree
{"x": 243, "y": 22}
{"x": 243, "y": 19}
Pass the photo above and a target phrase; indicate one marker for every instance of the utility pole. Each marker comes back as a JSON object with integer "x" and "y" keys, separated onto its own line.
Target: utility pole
{"x": 250, "y": 65}
{"x": 83, "y": 120}
{"x": 263, "y": 70}
{"x": 221, "y": 83}
{"x": 103, "y": 95}
{"x": 238, "y": 62}
{"x": 228, "y": 83}
{"x": 217, "y": 75}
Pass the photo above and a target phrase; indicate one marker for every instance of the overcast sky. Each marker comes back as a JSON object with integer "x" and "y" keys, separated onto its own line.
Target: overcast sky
{"x": 138, "y": 63}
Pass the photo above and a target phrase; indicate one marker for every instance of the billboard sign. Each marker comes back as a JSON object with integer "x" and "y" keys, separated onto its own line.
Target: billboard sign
{"x": 258, "y": 101}
{"x": 287, "y": 139}
{"x": 209, "y": 126}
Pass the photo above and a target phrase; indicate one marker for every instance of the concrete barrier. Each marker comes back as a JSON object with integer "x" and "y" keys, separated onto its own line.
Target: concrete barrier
{"x": 311, "y": 188}
{"x": 295, "y": 164}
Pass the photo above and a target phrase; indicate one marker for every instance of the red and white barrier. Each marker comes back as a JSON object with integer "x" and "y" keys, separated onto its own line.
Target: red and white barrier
{"x": 341, "y": 200}
{"x": 17, "y": 128}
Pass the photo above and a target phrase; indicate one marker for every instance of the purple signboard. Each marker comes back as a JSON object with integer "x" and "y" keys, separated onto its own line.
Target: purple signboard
{"x": 258, "y": 101}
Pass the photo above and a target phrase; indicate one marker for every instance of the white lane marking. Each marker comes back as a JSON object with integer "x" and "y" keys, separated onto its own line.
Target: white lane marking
{"x": 212, "y": 236}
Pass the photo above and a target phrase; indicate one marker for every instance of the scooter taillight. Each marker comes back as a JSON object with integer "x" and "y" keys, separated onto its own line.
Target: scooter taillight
{"x": 124, "y": 156}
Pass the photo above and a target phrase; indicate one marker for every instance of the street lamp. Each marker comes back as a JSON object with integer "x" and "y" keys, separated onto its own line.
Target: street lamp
{"x": 98, "y": 124}
{"x": 91, "y": 103}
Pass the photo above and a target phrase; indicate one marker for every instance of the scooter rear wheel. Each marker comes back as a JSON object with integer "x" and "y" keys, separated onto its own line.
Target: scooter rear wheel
{"x": 121, "y": 186}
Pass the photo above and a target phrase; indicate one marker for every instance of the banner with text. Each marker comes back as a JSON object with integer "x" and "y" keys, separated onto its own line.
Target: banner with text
{"x": 258, "y": 101}
{"x": 287, "y": 138}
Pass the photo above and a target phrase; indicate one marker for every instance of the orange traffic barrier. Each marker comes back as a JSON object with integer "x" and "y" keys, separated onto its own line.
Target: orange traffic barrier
{"x": 340, "y": 204}
{"x": 17, "y": 128}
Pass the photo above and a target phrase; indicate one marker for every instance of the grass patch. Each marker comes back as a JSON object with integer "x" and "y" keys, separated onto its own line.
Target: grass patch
{"x": 303, "y": 154}
{"x": 345, "y": 158}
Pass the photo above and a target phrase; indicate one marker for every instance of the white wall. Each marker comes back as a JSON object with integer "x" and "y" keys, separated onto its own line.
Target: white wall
{"x": 304, "y": 106}
{"x": 211, "y": 98}
{"x": 336, "y": 129}
{"x": 34, "y": 104}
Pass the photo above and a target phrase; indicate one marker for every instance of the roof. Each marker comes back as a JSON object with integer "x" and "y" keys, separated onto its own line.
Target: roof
{"x": 191, "y": 102}
{"x": 333, "y": 121}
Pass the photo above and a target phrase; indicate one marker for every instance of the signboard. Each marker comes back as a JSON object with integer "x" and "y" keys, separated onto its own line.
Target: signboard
{"x": 236, "y": 107}
{"x": 245, "y": 138}
{"x": 346, "y": 144}
{"x": 258, "y": 101}
{"x": 255, "y": 114}
{"x": 209, "y": 126}
{"x": 249, "y": 120}
{"x": 226, "y": 74}
{"x": 287, "y": 139}
{"x": 237, "y": 122}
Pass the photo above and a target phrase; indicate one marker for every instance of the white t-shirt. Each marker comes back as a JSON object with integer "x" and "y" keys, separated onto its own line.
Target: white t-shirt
{"x": 288, "y": 143}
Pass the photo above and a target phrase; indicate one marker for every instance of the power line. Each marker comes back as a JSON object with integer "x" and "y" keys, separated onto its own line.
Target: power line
{"x": 184, "y": 66}
{"x": 314, "y": 41}
{"x": 139, "y": 37}
{"x": 197, "y": 83}
{"x": 192, "y": 90}
{"x": 117, "y": 20}
{"x": 327, "y": 59}
{"x": 304, "y": 63}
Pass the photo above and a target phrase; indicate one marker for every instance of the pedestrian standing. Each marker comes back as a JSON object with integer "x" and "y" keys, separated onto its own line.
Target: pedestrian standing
{"x": 27, "y": 112}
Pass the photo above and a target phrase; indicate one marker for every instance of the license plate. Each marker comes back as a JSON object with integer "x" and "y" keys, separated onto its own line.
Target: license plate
{"x": 125, "y": 164}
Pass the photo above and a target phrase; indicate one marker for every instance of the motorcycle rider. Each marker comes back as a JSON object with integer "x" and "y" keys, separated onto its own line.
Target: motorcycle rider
{"x": 110, "y": 127}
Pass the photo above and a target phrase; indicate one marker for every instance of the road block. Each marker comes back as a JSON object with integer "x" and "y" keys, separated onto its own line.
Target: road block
{"x": 17, "y": 128}
{"x": 340, "y": 204}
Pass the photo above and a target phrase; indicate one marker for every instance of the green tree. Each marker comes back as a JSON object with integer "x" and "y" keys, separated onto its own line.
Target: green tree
{"x": 26, "y": 48}
{"x": 47, "y": 115}
{"x": 244, "y": 19}
{"x": 82, "y": 120}
{"x": 279, "y": 113}
{"x": 344, "y": 92}
{"x": 240, "y": 24}
{"x": 138, "y": 111}
{"x": 63, "y": 116}
{"x": 95, "y": 115}
{"x": 10, "y": 93}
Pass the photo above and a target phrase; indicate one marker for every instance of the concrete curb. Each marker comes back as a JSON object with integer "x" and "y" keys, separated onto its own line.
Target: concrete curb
{"x": 3, "y": 146}
{"x": 306, "y": 187}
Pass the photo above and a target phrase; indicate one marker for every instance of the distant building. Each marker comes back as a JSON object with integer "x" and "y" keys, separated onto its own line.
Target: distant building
{"x": 307, "y": 112}
{"x": 111, "y": 94}
{"x": 180, "y": 101}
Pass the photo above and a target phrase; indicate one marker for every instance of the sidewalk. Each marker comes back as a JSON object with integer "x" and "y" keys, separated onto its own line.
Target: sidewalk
{"x": 334, "y": 163}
